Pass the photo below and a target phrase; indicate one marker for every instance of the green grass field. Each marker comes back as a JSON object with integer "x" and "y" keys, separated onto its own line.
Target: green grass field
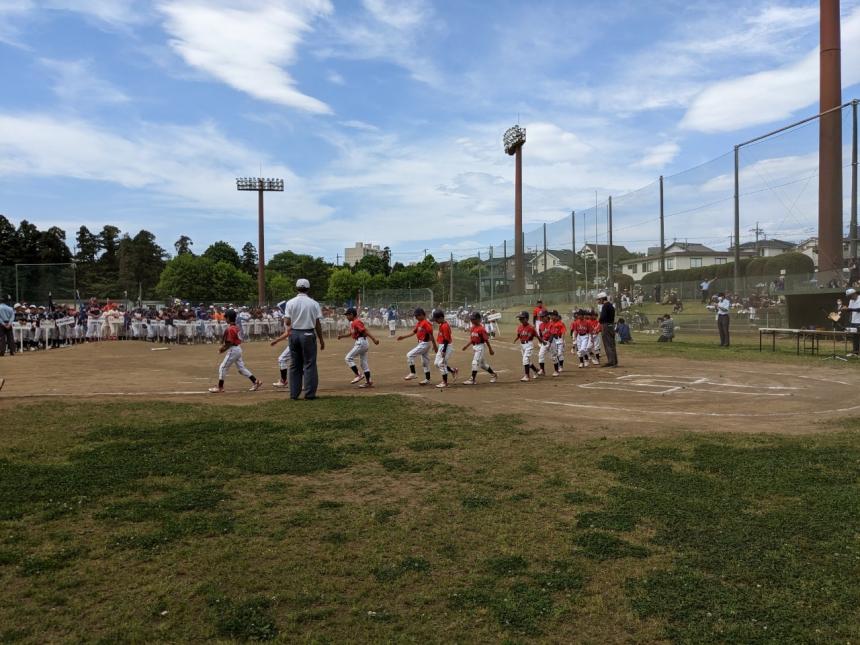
{"x": 383, "y": 520}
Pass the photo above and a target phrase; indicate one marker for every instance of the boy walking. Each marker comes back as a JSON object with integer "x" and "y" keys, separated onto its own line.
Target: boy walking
{"x": 479, "y": 340}
{"x": 446, "y": 348}
{"x": 232, "y": 345}
{"x": 423, "y": 331}
{"x": 359, "y": 333}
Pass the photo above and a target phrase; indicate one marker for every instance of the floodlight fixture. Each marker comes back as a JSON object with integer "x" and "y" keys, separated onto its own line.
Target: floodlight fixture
{"x": 514, "y": 139}
{"x": 260, "y": 185}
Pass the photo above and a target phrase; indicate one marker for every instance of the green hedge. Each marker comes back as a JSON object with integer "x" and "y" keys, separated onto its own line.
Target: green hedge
{"x": 793, "y": 263}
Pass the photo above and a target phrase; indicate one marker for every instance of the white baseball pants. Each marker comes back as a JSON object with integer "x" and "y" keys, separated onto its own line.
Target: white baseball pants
{"x": 422, "y": 349}
{"x": 583, "y": 345}
{"x": 359, "y": 351}
{"x": 527, "y": 349}
{"x": 478, "y": 360}
{"x": 284, "y": 358}
{"x": 233, "y": 356}
{"x": 442, "y": 358}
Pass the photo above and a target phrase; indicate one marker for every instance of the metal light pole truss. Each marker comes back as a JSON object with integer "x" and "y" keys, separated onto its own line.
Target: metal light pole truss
{"x": 260, "y": 185}
{"x": 514, "y": 140}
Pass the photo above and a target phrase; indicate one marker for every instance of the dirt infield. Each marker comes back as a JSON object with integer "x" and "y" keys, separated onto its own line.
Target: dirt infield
{"x": 643, "y": 396}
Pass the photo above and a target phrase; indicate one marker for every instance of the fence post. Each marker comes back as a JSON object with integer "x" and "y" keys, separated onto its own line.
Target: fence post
{"x": 662, "y": 242}
{"x": 737, "y": 271}
{"x": 573, "y": 250}
{"x": 492, "y": 287}
{"x": 609, "y": 258}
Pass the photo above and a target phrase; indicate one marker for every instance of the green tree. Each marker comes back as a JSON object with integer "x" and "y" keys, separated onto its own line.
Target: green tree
{"x": 8, "y": 242}
{"x": 52, "y": 246}
{"x": 279, "y": 287}
{"x": 183, "y": 245}
{"x": 294, "y": 266}
{"x": 342, "y": 286}
{"x": 88, "y": 245}
{"x": 249, "y": 260}
{"x": 141, "y": 261}
{"x": 386, "y": 257}
{"x": 223, "y": 252}
{"x": 28, "y": 238}
{"x": 373, "y": 264}
{"x": 231, "y": 284}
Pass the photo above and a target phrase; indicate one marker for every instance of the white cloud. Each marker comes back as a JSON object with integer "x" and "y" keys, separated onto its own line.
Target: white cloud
{"x": 659, "y": 155}
{"x": 334, "y": 77}
{"x": 400, "y": 14}
{"x": 114, "y": 13}
{"x": 771, "y": 95}
{"x": 355, "y": 124}
{"x": 76, "y": 82}
{"x": 246, "y": 45}
{"x": 185, "y": 167}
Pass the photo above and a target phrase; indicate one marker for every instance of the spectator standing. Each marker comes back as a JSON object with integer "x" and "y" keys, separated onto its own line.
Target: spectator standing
{"x": 302, "y": 314}
{"x": 392, "y": 320}
{"x": 607, "y": 325}
{"x": 854, "y": 307}
{"x": 7, "y": 336}
{"x": 667, "y": 329}
{"x": 705, "y": 287}
{"x": 724, "y": 308}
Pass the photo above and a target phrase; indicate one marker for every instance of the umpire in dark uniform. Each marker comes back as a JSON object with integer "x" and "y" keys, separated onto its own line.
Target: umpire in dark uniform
{"x": 607, "y": 323}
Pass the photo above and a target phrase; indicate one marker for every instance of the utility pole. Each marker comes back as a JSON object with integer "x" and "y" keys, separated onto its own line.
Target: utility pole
{"x": 596, "y": 245}
{"x": 544, "y": 248}
{"x": 854, "y": 179}
{"x": 492, "y": 287}
{"x": 505, "y": 254}
{"x": 451, "y": 278}
{"x": 737, "y": 267}
{"x": 479, "y": 279}
{"x": 757, "y": 232}
{"x": 337, "y": 259}
{"x": 585, "y": 259}
{"x": 261, "y": 186}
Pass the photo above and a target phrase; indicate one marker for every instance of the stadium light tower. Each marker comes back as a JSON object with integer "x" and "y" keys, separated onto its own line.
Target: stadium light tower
{"x": 261, "y": 186}
{"x": 514, "y": 140}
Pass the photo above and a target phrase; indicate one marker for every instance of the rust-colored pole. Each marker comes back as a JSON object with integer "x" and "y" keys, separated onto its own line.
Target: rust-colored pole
{"x": 519, "y": 260}
{"x": 830, "y": 147}
{"x": 261, "y": 260}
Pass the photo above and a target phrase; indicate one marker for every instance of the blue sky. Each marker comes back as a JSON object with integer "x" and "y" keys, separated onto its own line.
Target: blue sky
{"x": 385, "y": 117}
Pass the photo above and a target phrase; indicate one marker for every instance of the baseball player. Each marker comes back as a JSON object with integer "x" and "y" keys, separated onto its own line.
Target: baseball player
{"x": 359, "y": 333}
{"x": 596, "y": 331}
{"x": 526, "y": 333}
{"x": 232, "y": 345}
{"x": 445, "y": 341}
{"x": 580, "y": 331}
{"x": 479, "y": 340}
{"x": 423, "y": 331}
{"x": 559, "y": 331}
{"x": 545, "y": 338}
{"x": 283, "y": 359}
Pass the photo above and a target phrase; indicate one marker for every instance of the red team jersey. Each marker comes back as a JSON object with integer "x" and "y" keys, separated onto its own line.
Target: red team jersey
{"x": 423, "y": 330}
{"x": 545, "y": 332}
{"x": 444, "y": 333}
{"x": 558, "y": 329}
{"x": 525, "y": 333}
{"x": 478, "y": 335}
{"x": 580, "y": 327}
{"x": 357, "y": 329}
{"x": 596, "y": 327}
{"x": 231, "y": 336}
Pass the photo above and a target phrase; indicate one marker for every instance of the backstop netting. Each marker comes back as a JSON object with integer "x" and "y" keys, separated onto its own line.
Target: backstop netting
{"x": 36, "y": 283}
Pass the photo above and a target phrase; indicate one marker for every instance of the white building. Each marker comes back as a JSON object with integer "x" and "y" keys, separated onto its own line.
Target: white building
{"x": 679, "y": 255}
{"x": 352, "y": 256}
{"x": 766, "y": 248}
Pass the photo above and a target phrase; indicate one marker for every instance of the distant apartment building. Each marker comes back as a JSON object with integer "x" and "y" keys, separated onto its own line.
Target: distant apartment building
{"x": 352, "y": 256}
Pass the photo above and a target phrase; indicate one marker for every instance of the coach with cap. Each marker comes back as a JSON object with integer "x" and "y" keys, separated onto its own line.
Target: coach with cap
{"x": 607, "y": 324}
{"x": 303, "y": 315}
{"x": 7, "y": 337}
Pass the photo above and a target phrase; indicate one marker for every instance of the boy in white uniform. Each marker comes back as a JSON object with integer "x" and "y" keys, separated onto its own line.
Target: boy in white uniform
{"x": 359, "y": 333}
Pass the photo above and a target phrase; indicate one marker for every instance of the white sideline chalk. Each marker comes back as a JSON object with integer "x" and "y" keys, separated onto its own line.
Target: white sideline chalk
{"x": 159, "y": 349}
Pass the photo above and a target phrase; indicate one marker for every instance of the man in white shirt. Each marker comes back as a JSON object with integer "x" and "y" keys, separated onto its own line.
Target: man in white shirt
{"x": 854, "y": 307}
{"x": 705, "y": 288}
{"x": 724, "y": 309}
{"x": 303, "y": 314}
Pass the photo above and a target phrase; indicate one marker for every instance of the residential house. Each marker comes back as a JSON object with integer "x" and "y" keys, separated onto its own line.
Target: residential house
{"x": 766, "y": 248}
{"x": 590, "y": 251}
{"x": 679, "y": 255}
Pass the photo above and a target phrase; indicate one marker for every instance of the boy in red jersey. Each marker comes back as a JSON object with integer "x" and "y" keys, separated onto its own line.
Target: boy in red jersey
{"x": 559, "y": 331}
{"x": 479, "y": 340}
{"x": 596, "y": 330}
{"x": 232, "y": 344}
{"x": 360, "y": 334}
{"x": 580, "y": 331}
{"x": 526, "y": 333}
{"x": 423, "y": 331}
{"x": 545, "y": 337}
{"x": 445, "y": 341}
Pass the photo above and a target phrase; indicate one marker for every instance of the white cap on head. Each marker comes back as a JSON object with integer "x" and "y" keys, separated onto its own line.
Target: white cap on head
{"x": 601, "y": 295}
{"x": 302, "y": 283}
{"x": 850, "y": 292}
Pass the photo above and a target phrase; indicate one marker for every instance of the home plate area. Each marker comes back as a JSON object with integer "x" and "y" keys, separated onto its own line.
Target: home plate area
{"x": 672, "y": 384}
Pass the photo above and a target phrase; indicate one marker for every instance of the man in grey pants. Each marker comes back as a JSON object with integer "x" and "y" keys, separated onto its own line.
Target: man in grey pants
{"x": 303, "y": 314}
{"x": 606, "y": 319}
{"x": 724, "y": 309}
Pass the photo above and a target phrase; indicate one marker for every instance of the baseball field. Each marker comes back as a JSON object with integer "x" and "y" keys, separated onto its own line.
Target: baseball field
{"x": 692, "y": 495}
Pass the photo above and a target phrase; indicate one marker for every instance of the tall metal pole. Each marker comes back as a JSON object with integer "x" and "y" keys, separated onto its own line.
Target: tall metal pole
{"x": 479, "y": 279}
{"x": 505, "y": 254}
{"x": 854, "y": 179}
{"x": 584, "y": 259}
{"x": 830, "y": 146}
{"x": 609, "y": 282}
{"x": 596, "y": 245}
{"x": 519, "y": 259}
{"x": 261, "y": 261}
{"x": 573, "y": 250}
{"x": 737, "y": 267}
{"x": 662, "y": 241}
{"x": 492, "y": 287}
{"x": 451, "y": 289}
{"x": 544, "y": 247}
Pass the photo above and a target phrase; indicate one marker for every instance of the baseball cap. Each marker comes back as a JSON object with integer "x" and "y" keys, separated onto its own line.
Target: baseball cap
{"x": 850, "y": 292}
{"x": 303, "y": 283}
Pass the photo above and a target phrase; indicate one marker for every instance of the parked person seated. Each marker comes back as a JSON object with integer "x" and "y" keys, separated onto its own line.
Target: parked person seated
{"x": 622, "y": 329}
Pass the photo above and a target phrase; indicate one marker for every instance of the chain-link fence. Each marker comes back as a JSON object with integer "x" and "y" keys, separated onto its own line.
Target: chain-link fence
{"x": 36, "y": 283}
